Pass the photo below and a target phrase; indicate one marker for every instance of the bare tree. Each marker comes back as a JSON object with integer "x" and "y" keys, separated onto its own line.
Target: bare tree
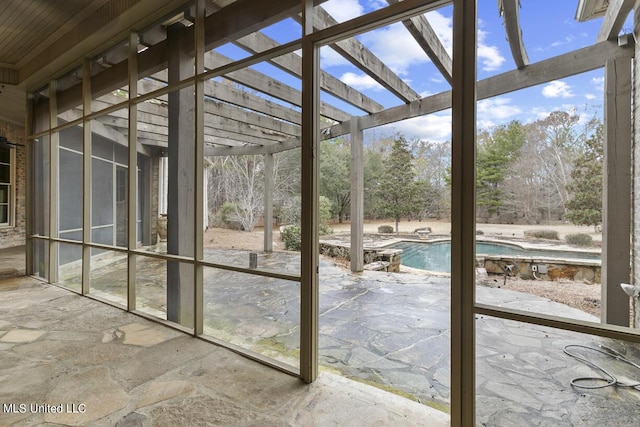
{"x": 557, "y": 141}
{"x": 245, "y": 186}
{"x": 432, "y": 162}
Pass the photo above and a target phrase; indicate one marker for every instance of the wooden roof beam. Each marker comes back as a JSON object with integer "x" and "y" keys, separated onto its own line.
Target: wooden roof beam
{"x": 229, "y": 94}
{"x": 230, "y": 121}
{"x": 258, "y": 42}
{"x": 428, "y": 40}
{"x": 248, "y": 101}
{"x": 103, "y": 131}
{"x": 292, "y": 63}
{"x": 272, "y": 87}
{"x": 288, "y": 144}
{"x": 509, "y": 9}
{"x": 569, "y": 64}
{"x": 218, "y": 104}
{"x": 362, "y": 58}
{"x": 617, "y": 13}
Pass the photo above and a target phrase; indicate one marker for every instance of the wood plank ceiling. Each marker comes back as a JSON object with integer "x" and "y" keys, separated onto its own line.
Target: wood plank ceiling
{"x": 27, "y": 27}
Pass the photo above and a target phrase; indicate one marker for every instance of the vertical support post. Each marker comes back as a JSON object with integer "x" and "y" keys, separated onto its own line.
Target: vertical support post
{"x": 635, "y": 167}
{"x": 463, "y": 214}
{"x": 132, "y": 180}
{"x": 200, "y": 188}
{"x": 357, "y": 196}
{"x": 181, "y": 195}
{"x": 86, "y": 177}
{"x": 29, "y": 181}
{"x": 616, "y": 203}
{"x": 54, "y": 163}
{"x": 309, "y": 292}
{"x": 268, "y": 202}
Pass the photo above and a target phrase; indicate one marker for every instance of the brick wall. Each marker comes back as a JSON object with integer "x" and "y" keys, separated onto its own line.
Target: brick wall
{"x": 14, "y": 235}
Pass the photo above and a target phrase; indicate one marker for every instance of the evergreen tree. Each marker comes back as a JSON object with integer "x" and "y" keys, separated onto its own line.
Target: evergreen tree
{"x": 497, "y": 150}
{"x": 373, "y": 166}
{"x": 397, "y": 190}
{"x": 585, "y": 208}
{"x": 335, "y": 178}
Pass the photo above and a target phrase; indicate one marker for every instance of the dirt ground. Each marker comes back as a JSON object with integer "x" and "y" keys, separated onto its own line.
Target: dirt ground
{"x": 580, "y": 295}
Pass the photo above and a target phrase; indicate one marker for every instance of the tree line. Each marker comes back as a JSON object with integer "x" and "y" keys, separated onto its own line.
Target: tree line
{"x": 546, "y": 170}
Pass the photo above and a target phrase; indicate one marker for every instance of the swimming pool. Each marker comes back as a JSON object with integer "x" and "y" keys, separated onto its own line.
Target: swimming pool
{"x": 436, "y": 256}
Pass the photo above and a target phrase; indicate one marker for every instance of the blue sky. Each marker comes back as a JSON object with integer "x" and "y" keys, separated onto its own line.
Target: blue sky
{"x": 549, "y": 29}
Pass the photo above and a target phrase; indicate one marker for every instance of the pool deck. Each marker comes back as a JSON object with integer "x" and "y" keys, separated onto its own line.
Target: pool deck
{"x": 386, "y": 329}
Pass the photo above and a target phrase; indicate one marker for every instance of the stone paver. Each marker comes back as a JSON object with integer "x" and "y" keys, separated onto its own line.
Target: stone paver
{"x": 21, "y": 336}
{"x": 179, "y": 381}
{"x": 387, "y": 329}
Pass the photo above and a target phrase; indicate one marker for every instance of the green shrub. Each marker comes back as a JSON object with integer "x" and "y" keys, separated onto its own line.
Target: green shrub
{"x": 290, "y": 210}
{"x": 291, "y": 236}
{"x": 542, "y": 234}
{"x": 385, "y": 229}
{"x": 229, "y": 217}
{"x": 324, "y": 215}
{"x": 578, "y": 239}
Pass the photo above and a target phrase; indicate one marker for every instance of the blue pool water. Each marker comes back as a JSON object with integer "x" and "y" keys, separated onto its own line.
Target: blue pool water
{"x": 436, "y": 256}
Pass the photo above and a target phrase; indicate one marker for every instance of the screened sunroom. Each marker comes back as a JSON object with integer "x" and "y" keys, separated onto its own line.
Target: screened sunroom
{"x": 158, "y": 131}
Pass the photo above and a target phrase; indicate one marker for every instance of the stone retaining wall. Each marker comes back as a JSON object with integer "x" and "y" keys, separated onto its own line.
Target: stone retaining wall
{"x": 379, "y": 258}
{"x": 555, "y": 269}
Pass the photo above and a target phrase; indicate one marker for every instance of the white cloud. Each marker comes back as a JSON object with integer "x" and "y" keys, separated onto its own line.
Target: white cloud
{"x": 598, "y": 83}
{"x": 539, "y": 113}
{"x": 343, "y": 10}
{"x": 395, "y": 46}
{"x": 377, "y": 4}
{"x": 590, "y": 96}
{"x": 557, "y": 89}
{"x": 433, "y": 127}
{"x": 360, "y": 81}
{"x": 568, "y": 39}
{"x": 443, "y": 27}
{"x": 485, "y": 124}
{"x": 496, "y": 109}
{"x": 331, "y": 58}
{"x": 489, "y": 56}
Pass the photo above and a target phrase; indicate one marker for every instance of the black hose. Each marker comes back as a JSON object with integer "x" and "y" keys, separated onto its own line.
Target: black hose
{"x": 608, "y": 379}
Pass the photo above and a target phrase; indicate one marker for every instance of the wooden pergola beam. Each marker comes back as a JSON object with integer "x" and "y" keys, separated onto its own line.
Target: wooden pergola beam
{"x": 103, "y": 131}
{"x": 228, "y": 94}
{"x": 259, "y": 129}
{"x": 270, "y": 86}
{"x": 509, "y": 9}
{"x": 617, "y": 13}
{"x": 292, "y": 63}
{"x": 247, "y": 100}
{"x": 582, "y": 60}
{"x": 428, "y": 40}
{"x": 576, "y": 62}
{"x": 558, "y": 67}
{"x": 258, "y": 42}
{"x": 241, "y": 150}
{"x": 362, "y": 58}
